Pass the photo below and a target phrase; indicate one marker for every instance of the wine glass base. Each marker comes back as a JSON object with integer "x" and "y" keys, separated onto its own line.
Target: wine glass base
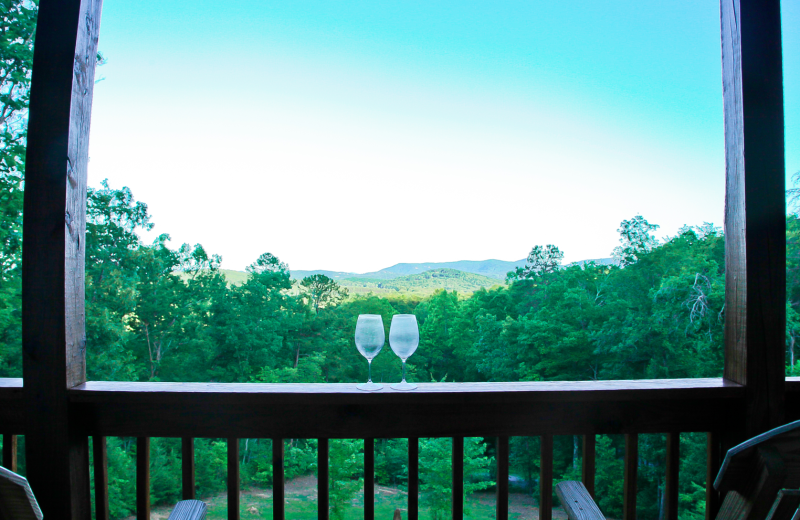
{"x": 404, "y": 386}
{"x": 369, "y": 387}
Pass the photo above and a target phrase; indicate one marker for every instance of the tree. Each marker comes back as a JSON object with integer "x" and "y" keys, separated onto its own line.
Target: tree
{"x": 542, "y": 260}
{"x": 636, "y": 240}
{"x": 323, "y": 291}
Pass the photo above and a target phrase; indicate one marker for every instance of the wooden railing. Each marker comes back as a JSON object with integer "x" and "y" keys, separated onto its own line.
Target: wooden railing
{"x": 456, "y": 410}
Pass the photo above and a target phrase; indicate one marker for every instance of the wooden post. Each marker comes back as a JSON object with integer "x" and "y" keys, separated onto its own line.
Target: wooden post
{"x": 10, "y": 452}
{"x": 143, "y": 478}
{"x": 457, "y": 505}
{"x": 323, "y": 485}
{"x": 546, "y": 478}
{"x": 673, "y": 469}
{"x": 187, "y": 468}
{"x": 100, "y": 453}
{"x": 278, "y": 504}
{"x": 501, "y": 454}
{"x": 413, "y": 478}
{"x": 369, "y": 479}
{"x": 630, "y": 476}
{"x": 755, "y": 209}
{"x": 588, "y": 462}
{"x": 233, "y": 479}
{"x": 53, "y": 335}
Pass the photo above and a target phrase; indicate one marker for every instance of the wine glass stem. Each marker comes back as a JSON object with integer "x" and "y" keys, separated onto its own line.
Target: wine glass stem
{"x": 369, "y": 364}
{"x": 404, "y": 370}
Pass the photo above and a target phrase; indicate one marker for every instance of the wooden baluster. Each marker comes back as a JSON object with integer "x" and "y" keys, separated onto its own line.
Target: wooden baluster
{"x": 278, "y": 504}
{"x": 10, "y": 452}
{"x": 673, "y": 468}
{"x": 143, "y": 478}
{"x": 100, "y": 454}
{"x": 546, "y": 478}
{"x": 187, "y": 468}
{"x": 369, "y": 479}
{"x": 322, "y": 479}
{"x": 501, "y": 455}
{"x": 233, "y": 478}
{"x": 413, "y": 478}
{"x": 458, "y": 478}
{"x": 713, "y": 460}
{"x": 631, "y": 467}
{"x": 588, "y": 462}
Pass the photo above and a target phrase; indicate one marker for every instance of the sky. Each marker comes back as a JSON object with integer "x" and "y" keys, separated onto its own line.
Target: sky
{"x": 353, "y": 135}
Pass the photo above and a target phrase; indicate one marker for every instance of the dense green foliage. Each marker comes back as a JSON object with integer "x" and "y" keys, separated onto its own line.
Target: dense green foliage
{"x": 154, "y": 313}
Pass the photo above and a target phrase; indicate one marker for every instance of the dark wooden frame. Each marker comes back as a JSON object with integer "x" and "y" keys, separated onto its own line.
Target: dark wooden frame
{"x": 56, "y": 391}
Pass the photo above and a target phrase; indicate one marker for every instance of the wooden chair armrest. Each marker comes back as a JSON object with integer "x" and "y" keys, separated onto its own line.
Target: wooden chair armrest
{"x": 189, "y": 510}
{"x": 577, "y": 502}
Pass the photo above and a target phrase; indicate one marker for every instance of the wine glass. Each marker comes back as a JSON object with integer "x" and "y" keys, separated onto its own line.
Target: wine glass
{"x": 404, "y": 339}
{"x": 370, "y": 338}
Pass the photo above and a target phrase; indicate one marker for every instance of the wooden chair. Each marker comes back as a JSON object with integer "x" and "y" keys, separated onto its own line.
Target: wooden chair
{"x": 758, "y": 480}
{"x": 18, "y": 503}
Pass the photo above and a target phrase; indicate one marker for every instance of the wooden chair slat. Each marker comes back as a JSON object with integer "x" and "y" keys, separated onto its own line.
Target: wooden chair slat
{"x": 577, "y": 502}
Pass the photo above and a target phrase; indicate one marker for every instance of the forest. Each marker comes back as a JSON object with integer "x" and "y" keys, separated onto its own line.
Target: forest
{"x": 159, "y": 313}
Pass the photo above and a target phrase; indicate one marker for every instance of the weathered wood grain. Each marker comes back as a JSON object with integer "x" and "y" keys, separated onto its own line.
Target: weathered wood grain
{"x": 143, "y": 478}
{"x": 501, "y": 495}
{"x": 577, "y": 502}
{"x": 546, "y": 478}
{"x": 100, "y": 455}
{"x": 588, "y": 462}
{"x": 755, "y": 226}
{"x": 188, "y": 510}
{"x": 187, "y": 468}
{"x": 16, "y": 498}
{"x": 785, "y": 505}
{"x": 631, "y": 469}
{"x": 413, "y": 478}
{"x": 53, "y": 337}
{"x": 672, "y": 473}
{"x": 233, "y": 478}
{"x": 458, "y": 479}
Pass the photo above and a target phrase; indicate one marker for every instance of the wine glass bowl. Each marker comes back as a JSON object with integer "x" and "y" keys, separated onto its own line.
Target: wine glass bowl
{"x": 370, "y": 337}
{"x": 404, "y": 339}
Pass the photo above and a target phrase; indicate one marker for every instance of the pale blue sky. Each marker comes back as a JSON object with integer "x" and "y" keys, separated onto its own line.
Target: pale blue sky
{"x": 355, "y": 135}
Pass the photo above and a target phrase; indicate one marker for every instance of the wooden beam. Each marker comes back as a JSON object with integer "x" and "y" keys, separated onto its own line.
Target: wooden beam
{"x": 278, "y": 503}
{"x": 323, "y": 485}
{"x": 588, "y": 462}
{"x": 369, "y": 479}
{"x": 630, "y": 476}
{"x": 341, "y": 411}
{"x": 10, "y": 452}
{"x": 546, "y": 478}
{"x": 501, "y": 456}
{"x": 233, "y": 479}
{"x": 187, "y": 468}
{"x": 457, "y": 505}
{"x": 413, "y": 478}
{"x": 143, "y": 478}
{"x": 673, "y": 469}
{"x": 100, "y": 454}
{"x": 53, "y": 335}
{"x": 755, "y": 209}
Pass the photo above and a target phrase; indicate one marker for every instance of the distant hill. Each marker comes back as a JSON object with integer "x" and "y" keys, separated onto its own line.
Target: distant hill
{"x": 496, "y": 269}
{"x": 425, "y": 282}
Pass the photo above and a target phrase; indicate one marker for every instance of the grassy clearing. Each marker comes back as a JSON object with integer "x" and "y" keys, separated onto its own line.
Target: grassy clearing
{"x": 301, "y": 504}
